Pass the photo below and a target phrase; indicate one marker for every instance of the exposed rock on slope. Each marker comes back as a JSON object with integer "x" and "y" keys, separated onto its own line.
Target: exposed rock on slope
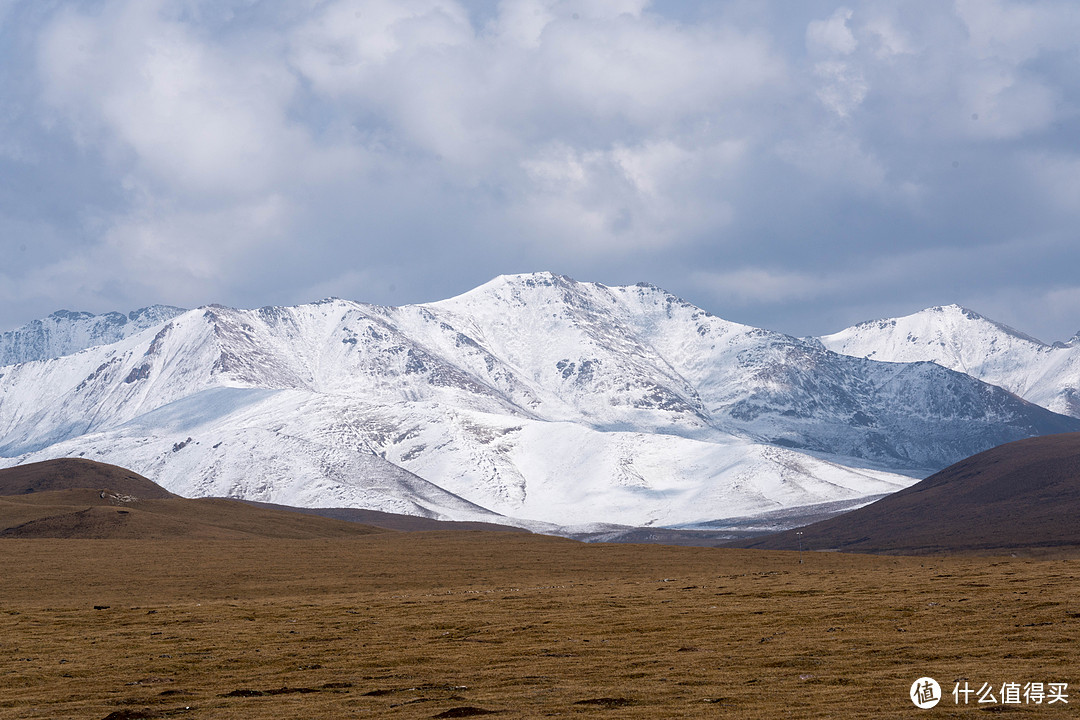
{"x": 962, "y": 340}
{"x": 534, "y": 396}
{"x": 65, "y": 332}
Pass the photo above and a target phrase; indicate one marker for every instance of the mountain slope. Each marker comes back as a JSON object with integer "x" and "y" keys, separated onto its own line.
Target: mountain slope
{"x": 77, "y": 474}
{"x": 638, "y": 355}
{"x": 962, "y": 340}
{"x": 65, "y": 332}
{"x": 534, "y": 397}
{"x": 76, "y": 498}
{"x": 1024, "y": 494}
{"x": 315, "y": 451}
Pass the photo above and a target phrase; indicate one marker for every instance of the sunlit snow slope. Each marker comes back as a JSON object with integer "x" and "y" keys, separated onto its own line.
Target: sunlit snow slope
{"x": 533, "y": 396}
{"x": 959, "y": 339}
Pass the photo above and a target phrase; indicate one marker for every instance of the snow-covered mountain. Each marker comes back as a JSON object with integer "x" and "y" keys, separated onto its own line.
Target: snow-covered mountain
{"x": 65, "y": 332}
{"x": 533, "y": 396}
{"x": 959, "y": 339}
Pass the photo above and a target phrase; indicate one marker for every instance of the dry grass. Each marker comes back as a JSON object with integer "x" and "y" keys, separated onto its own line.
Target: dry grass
{"x": 103, "y": 514}
{"x": 431, "y": 625}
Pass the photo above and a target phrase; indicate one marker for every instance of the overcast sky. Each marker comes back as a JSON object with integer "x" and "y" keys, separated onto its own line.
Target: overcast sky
{"x": 799, "y": 166}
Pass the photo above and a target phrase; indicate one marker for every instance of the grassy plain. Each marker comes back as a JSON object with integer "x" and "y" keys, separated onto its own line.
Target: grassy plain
{"x": 459, "y": 624}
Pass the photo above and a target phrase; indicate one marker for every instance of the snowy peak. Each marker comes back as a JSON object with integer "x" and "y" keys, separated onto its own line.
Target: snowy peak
{"x": 517, "y": 289}
{"x": 638, "y": 356}
{"x": 578, "y": 344}
{"x": 66, "y": 332}
{"x": 963, "y": 340}
{"x": 1071, "y": 342}
{"x": 949, "y": 335}
{"x": 972, "y": 316}
{"x": 535, "y": 396}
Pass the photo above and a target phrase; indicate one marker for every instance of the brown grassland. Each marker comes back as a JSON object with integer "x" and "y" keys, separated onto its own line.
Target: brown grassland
{"x": 460, "y": 624}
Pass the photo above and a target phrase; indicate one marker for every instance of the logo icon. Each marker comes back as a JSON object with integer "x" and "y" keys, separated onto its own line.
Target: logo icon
{"x": 925, "y": 693}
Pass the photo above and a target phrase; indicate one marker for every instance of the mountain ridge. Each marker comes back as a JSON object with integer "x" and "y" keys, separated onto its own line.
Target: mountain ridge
{"x": 962, "y": 340}
{"x": 65, "y": 332}
{"x": 533, "y": 399}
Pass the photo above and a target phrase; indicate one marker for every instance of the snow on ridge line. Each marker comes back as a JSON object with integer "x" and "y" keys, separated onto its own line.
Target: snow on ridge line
{"x": 532, "y": 396}
{"x": 964, "y": 341}
{"x": 66, "y": 332}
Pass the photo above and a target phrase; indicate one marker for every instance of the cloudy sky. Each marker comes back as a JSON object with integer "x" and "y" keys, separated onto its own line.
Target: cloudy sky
{"x": 794, "y": 165}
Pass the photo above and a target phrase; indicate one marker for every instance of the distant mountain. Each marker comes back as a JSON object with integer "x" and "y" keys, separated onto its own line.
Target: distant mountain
{"x": 65, "y": 332}
{"x": 962, "y": 340}
{"x": 1022, "y": 495}
{"x": 534, "y": 399}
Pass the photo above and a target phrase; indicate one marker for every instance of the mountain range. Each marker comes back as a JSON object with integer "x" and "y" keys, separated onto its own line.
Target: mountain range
{"x": 533, "y": 400}
{"x": 961, "y": 339}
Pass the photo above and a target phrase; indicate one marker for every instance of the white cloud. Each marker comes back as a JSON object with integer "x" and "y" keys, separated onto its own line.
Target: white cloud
{"x": 890, "y": 39}
{"x": 522, "y": 22}
{"x": 174, "y": 255}
{"x": 196, "y": 119}
{"x": 832, "y": 36}
{"x": 542, "y": 73}
{"x": 460, "y": 139}
{"x": 627, "y": 198}
{"x": 199, "y": 247}
{"x": 843, "y": 88}
{"x": 925, "y": 272}
{"x": 198, "y": 136}
{"x": 349, "y": 43}
{"x": 1005, "y": 104}
{"x": 651, "y": 73}
{"x": 595, "y": 119}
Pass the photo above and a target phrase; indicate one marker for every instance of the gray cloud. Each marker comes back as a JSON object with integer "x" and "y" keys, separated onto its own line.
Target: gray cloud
{"x": 793, "y": 166}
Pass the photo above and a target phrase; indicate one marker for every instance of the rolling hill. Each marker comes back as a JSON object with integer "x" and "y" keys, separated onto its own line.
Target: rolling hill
{"x": 1021, "y": 495}
{"x": 77, "y": 498}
